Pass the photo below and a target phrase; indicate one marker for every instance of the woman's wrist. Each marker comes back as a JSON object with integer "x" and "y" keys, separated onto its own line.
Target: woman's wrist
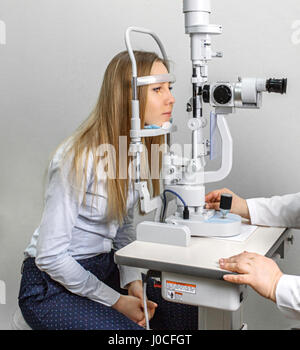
{"x": 134, "y": 283}
{"x": 118, "y": 304}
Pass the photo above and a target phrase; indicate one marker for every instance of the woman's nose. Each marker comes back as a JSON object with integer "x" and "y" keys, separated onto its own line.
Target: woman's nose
{"x": 170, "y": 99}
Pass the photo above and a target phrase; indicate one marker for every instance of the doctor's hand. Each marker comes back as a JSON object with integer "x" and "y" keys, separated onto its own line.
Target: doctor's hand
{"x": 259, "y": 272}
{"x": 239, "y": 205}
{"x": 135, "y": 289}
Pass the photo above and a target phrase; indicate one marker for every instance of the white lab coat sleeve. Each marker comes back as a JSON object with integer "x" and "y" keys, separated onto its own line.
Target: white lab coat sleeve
{"x": 288, "y": 296}
{"x": 278, "y": 211}
{"x": 125, "y": 235}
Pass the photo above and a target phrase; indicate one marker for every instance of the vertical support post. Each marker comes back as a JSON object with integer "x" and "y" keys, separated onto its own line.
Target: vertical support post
{"x": 215, "y": 319}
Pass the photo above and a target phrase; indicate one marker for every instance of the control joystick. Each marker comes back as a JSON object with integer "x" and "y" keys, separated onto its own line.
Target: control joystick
{"x": 225, "y": 204}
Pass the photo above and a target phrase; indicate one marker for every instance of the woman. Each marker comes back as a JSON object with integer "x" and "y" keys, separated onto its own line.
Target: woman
{"x": 262, "y": 273}
{"x": 69, "y": 279}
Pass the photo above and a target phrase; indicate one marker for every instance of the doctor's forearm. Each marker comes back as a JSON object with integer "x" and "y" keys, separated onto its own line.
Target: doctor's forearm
{"x": 280, "y": 211}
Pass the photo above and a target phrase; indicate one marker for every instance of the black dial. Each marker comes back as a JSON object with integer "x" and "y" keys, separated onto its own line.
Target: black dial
{"x": 226, "y": 201}
{"x": 222, "y": 94}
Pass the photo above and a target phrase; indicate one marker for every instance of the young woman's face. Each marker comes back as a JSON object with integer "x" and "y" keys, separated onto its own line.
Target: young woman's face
{"x": 160, "y": 101}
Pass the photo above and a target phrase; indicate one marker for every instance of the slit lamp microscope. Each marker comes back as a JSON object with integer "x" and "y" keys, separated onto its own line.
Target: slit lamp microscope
{"x": 186, "y": 178}
{"x": 167, "y": 247}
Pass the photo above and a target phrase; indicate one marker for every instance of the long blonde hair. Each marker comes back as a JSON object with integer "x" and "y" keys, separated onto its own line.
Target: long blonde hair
{"x": 110, "y": 119}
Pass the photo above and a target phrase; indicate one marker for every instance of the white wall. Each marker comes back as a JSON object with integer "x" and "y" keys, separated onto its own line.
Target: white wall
{"x": 50, "y": 74}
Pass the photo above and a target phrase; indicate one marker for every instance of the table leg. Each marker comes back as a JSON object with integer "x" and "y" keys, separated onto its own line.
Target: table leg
{"x": 216, "y": 319}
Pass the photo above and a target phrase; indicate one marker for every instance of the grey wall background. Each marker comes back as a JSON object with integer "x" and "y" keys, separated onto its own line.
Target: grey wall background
{"x": 51, "y": 70}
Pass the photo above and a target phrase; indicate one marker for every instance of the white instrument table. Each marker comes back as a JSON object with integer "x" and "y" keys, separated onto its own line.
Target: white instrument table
{"x": 201, "y": 257}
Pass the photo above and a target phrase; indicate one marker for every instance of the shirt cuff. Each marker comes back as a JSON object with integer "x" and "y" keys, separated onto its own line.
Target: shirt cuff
{"x": 287, "y": 299}
{"x": 129, "y": 274}
{"x": 105, "y": 295}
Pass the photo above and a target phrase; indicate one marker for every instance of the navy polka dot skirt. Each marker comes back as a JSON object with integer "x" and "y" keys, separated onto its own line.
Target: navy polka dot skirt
{"x": 47, "y": 305}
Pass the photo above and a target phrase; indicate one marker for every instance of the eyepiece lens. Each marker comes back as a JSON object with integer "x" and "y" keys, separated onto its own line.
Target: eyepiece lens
{"x": 277, "y": 85}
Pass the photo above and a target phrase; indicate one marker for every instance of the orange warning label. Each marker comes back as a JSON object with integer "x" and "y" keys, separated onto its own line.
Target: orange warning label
{"x": 181, "y": 287}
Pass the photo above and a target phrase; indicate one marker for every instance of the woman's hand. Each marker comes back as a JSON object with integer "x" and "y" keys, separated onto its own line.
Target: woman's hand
{"x": 239, "y": 205}
{"x": 135, "y": 289}
{"x": 259, "y": 272}
{"x": 130, "y": 307}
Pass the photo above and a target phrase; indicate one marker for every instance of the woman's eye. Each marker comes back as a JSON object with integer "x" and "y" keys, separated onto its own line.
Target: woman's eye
{"x": 158, "y": 89}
